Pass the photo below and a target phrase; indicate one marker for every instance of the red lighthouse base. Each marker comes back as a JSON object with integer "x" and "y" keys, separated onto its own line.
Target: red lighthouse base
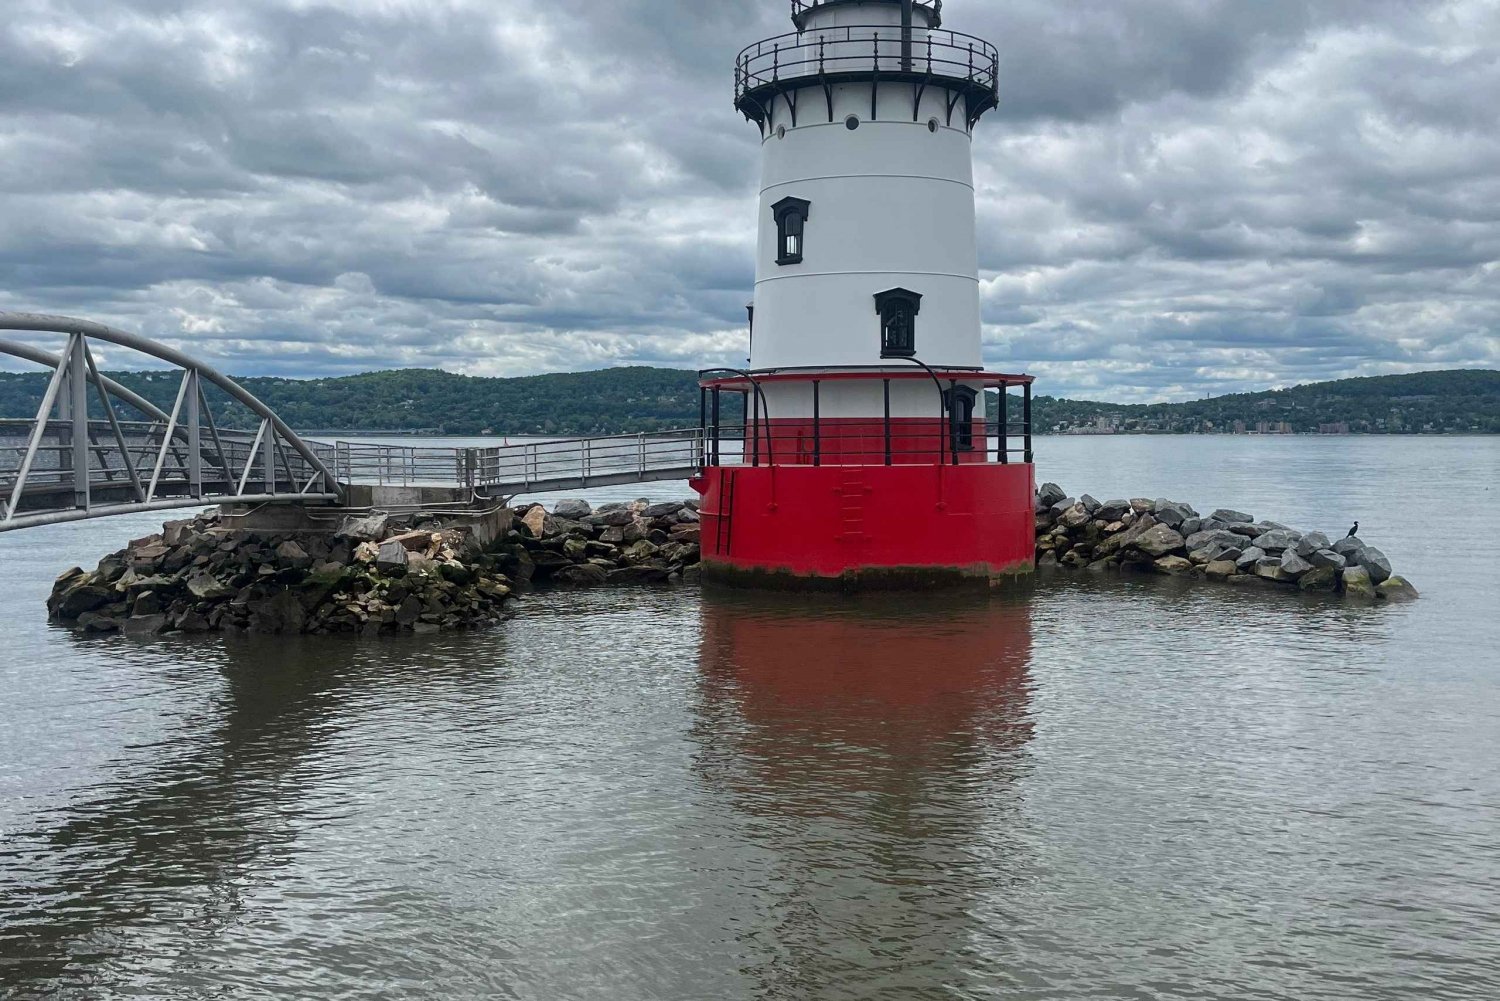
{"x": 855, "y": 527}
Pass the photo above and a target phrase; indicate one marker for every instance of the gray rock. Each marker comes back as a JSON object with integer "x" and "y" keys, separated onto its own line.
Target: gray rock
{"x": 193, "y": 621}
{"x": 1293, "y": 565}
{"x": 1249, "y": 558}
{"x": 144, "y": 625}
{"x": 1248, "y": 531}
{"x": 1158, "y": 541}
{"x": 1230, "y": 517}
{"x": 1191, "y": 527}
{"x": 1074, "y": 517}
{"x": 1344, "y": 547}
{"x": 1269, "y": 568}
{"x": 1048, "y": 495}
{"x": 1277, "y": 541}
{"x": 1175, "y": 566}
{"x": 1319, "y": 580}
{"x": 1327, "y": 558}
{"x": 292, "y": 554}
{"x": 1062, "y": 506}
{"x": 1202, "y": 540}
{"x": 1311, "y": 543}
{"x": 1171, "y": 513}
{"x": 661, "y": 510}
{"x": 573, "y": 510}
{"x": 393, "y": 559}
{"x": 1357, "y": 584}
{"x": 87, "y": 598}
{"x": 147, "y": 603}
{"x": 1375, "y": 563}
{"x": 1113, "y": 510}
{"x": 369, "y": 528}
{"x": 1221, "y": 570}
{"x": 1090, "y": 504}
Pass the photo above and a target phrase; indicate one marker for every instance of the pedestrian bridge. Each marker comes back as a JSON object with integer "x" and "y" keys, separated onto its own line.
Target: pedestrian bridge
{"x": 94, "y": 448}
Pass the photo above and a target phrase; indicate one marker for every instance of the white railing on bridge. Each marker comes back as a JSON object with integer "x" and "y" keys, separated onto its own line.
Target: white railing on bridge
{"x": 523, "y": 466}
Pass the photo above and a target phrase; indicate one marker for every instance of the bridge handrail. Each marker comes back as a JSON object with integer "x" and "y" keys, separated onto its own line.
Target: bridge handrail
{"x": 45, "y": 323}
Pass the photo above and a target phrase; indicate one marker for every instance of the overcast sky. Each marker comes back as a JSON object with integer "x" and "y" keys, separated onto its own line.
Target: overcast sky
{"x": 1176, "y": 197}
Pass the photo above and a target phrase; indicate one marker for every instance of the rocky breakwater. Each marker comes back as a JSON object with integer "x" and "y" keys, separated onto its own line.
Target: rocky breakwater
{"x": 576, "y": 545}
{"x": 374, "y": 575}
{"x": 1169, "y": 537}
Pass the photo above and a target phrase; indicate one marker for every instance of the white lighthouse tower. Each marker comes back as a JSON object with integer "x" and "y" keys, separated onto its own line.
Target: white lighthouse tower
{"x": 867, "y": 454}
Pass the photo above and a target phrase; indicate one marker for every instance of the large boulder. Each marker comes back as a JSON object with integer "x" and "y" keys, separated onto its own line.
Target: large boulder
{"x": 1074, "y": 517}
{"x": 1231, "y": 517}
{"x": 1311, "y": 543}
{"x": 1172, "y": 513}
{"x": 1327, "y": 558}
{"x": 1269, "y": 568}
{"x": 1090, "y": 504}
{"x": 144, "y": 625}
{"x": 1344, "y": 547}
{"x": 393, "y": 559}
{"x": 1176, "y": 566}
{"x": 1319, "y": 580}
{"x": 291, "y": 554}
{"x": 1158, "y": 541}
{"x": 1277, "y": 541}
{"x": 1357, "y": 584}
{"x": 538, "y": 522}
{"x": 84, "y": 598}
{"x": 1202, "y": 540}
{"x": 1221, "y": 570}
{"x": 1048, "y": 495}
{"x": 1112, "y": 510}
{"x": 573, "y": 510}
{"x": 364, "y": 528}
{"x": 1397, "y": 589}
{"x": 206, "y": 589}
{"x": 1375, "y": 563}
{"x": 665, "y": 510}
{"x": 1249, "y": 558}
{"x": 1294, "y": 566}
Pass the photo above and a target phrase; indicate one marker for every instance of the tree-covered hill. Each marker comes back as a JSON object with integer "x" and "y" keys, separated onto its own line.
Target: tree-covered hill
{"x": 624, "y": 400}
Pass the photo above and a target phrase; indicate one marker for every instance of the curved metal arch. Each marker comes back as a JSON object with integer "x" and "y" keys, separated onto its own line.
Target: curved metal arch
{"x": 28, "y": 353}
{"x": 44, "y": 323}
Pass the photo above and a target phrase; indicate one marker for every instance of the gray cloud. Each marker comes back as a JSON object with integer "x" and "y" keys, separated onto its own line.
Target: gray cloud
{"x": 1176, "y": 196}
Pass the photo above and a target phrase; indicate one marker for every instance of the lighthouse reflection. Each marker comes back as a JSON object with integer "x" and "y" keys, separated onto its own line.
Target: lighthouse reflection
{"x": 871, "y": 750}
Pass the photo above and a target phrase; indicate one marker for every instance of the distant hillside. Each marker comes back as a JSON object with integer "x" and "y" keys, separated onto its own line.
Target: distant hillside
{"x": 1460, "y": 400}
{"x": 625, "y": 400}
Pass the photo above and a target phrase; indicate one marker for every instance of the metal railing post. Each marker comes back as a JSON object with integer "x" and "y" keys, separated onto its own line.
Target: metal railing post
{"x": 195, "y": 454}
{"x": 78, "y": 404}
{"x": 1026, "y": 420}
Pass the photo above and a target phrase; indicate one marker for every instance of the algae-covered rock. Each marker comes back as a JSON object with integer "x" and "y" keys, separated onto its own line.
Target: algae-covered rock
{"x": 1357, "y": 584}
{"x": 1320, "y": 580}
{"x": 1397, "y": 589}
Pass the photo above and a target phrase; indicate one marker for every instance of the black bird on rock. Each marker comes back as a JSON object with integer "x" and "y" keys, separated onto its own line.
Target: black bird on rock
{"x": 1353, "y": 531}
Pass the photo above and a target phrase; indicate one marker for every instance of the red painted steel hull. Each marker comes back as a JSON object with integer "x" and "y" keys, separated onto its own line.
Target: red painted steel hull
{"x": 868, "y": 526}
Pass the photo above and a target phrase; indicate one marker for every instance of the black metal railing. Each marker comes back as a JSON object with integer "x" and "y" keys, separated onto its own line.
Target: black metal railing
{"x": 737, "y": 434}
{"x": 801, "y": 8}
{"x": 933, "y": 53}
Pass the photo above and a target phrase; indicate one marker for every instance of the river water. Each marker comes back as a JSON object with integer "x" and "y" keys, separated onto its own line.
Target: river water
{"x": 1106, "y": 788}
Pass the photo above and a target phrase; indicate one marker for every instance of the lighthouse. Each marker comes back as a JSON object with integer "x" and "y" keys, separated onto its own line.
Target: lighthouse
{"x": 865, "y": 444}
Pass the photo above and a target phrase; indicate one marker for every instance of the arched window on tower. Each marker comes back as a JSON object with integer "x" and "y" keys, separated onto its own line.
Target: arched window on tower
{"x": 961, "y": 401}
{"x": 791, "y": 217}
{"x": 898, "y": 309}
